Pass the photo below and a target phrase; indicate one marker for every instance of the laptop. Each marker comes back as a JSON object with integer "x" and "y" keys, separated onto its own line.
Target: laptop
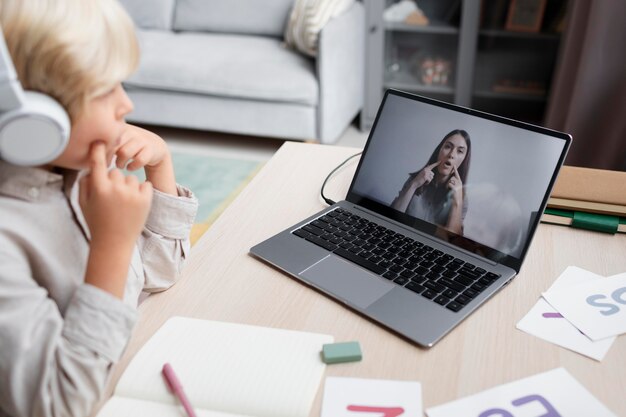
{"x": 438, "y": 218}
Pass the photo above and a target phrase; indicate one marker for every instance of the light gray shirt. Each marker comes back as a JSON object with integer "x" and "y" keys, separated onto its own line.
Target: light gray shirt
{"x": 433, "y": 204}
{"x": 422, "y": 208}
{"x": 58, "y": 335}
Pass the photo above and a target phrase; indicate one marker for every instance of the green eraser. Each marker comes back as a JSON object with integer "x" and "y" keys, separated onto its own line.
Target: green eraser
{"x": 341, "y": 352}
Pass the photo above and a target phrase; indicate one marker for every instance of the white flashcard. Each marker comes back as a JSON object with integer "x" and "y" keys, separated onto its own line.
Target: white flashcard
{"x": 546, "y": 323}
{"x": 550, "y": 394}
{"x": 597, "y": 308}
{"x": 354, "y": 397}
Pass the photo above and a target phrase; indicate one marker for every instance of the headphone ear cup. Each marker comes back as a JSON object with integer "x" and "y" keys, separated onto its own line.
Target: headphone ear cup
{"x": 35, "y": 133}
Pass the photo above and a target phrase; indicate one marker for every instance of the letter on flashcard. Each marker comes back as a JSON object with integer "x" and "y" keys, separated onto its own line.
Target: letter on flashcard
{"x": 551, "y": 411}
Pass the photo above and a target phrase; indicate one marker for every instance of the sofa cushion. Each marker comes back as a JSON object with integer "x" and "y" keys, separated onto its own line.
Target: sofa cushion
{"x": 237, "y": 66}
{"x": 267, "y": 17}
{"x": 157, "y": 14}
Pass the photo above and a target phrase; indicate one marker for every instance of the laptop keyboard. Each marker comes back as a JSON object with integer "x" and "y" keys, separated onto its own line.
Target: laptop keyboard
{"x": 435, "y": 275}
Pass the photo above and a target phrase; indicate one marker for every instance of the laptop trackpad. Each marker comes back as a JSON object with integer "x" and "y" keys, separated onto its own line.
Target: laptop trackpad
{"x": 347, "y": 281}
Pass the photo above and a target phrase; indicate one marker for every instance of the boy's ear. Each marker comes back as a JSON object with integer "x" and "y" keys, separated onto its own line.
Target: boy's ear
{"x": 34, "y": 128}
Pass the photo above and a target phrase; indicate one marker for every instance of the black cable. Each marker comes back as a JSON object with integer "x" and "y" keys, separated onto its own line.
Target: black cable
{"x": 326, "y": 199}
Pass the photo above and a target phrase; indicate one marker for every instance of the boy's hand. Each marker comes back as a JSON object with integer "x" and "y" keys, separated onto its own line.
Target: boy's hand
{"x": 141, "y": 148}
{"x": 115, "y": 207}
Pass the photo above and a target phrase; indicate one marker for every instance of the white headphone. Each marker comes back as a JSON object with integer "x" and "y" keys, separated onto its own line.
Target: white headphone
{"x": 34, "y": 128}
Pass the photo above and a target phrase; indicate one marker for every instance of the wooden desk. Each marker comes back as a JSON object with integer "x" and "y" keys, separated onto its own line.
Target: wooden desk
{"x": 222, "y": 282}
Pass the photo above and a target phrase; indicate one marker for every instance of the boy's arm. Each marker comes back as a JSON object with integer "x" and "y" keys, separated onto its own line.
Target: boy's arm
{"x": 53, "y": 364}
{"x": 162, "y": 176}
{"x": 164, "y": 243}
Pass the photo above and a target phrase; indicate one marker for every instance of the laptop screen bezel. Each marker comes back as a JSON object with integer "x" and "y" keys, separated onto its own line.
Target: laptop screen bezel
{"x": 429, "y": 228}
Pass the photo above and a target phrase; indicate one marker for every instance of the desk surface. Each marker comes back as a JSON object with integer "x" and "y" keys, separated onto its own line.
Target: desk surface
{"x": 222, "y": 282}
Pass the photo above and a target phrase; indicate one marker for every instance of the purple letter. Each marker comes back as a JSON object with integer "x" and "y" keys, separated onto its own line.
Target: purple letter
{"x": 495, "y": 412}
{"x": 551, "y": 412}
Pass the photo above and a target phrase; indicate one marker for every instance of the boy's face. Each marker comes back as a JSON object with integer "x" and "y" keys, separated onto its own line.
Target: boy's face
{"x": 101, "y": 120}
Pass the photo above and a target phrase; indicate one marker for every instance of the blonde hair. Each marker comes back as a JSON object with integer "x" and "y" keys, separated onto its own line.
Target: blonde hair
{"x": 72, "y": 50}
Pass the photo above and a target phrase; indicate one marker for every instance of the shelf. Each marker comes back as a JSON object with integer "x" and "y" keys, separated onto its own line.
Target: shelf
{"x": 499, "y": 33}
{"x": 511, "y": 96}
{"x": 491, "y": 68}
{"x": 405, "y": 81}
{"x": 419, "y": 88}
{"x": 436, "y": 27}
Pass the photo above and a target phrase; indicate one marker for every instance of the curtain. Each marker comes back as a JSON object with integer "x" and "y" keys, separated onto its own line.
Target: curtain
{"x": 588, "y": 97}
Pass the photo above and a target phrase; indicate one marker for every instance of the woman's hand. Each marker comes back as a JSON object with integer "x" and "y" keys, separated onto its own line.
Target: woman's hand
{"x": 425, "y": 176}
{"x": 455, "y": 218}
{"x": 141, "y": 148}
{"x": 455, "y": 184}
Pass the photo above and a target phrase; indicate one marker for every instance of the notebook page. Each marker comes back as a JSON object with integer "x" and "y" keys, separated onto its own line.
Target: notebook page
{"x": 129, "y": 407}
{"x": 232, "y": 368}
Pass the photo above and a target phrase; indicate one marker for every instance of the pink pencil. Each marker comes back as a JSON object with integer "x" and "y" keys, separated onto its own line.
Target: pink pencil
{"x": 176, "y": 387}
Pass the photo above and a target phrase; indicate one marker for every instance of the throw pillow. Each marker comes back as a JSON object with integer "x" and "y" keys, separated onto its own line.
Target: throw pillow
{"x": 308, "y": 18}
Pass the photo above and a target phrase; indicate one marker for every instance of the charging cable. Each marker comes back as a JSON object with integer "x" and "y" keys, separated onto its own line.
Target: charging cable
{"x": 326, "y": 199}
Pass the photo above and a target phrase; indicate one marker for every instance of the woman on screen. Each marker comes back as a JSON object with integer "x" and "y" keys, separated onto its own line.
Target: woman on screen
{"x": 435, "y": 193}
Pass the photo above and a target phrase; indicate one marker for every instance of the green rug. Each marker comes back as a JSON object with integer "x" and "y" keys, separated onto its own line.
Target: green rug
{"x": 214, "y": 180}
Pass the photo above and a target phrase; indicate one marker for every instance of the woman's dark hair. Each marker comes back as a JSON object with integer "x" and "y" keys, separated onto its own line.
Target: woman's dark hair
{"x": 465, "y": 165}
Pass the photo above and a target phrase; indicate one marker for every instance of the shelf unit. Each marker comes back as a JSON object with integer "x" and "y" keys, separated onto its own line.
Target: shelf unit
{"x": 490, "y": 68}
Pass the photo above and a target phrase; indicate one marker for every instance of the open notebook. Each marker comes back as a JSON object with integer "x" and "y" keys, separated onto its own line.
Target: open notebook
{"x": 226, "y": 370}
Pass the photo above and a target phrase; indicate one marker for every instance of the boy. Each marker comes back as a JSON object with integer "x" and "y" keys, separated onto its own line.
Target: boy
{"x": 77, "y": 248}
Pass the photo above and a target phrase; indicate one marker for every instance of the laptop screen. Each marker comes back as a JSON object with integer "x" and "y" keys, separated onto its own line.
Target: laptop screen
{"x": 472, "y": 179}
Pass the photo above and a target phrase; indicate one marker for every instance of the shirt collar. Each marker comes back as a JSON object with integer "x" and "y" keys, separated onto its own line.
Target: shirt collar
{"x": 31, "y": 183}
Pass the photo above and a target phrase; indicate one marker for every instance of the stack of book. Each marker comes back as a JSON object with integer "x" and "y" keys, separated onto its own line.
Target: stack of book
{"x": 588, "y": 198}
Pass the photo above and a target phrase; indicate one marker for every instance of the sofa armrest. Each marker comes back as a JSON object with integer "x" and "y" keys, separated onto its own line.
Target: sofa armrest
{"x": 340, "y": 71}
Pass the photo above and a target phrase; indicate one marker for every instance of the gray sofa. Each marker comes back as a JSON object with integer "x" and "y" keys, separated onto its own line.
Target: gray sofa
{"x": 223, "y": 65}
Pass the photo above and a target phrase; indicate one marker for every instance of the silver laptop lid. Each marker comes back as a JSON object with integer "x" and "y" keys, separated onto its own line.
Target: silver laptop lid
{"x": 475, "y": 180}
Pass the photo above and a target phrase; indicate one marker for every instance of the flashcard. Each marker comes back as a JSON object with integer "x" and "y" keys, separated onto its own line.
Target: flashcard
{"x": 546, "y": 323}
{"x": 358, "y": 397}
{"x": 550, "y": 394}
{"x": 597, "y": 308}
